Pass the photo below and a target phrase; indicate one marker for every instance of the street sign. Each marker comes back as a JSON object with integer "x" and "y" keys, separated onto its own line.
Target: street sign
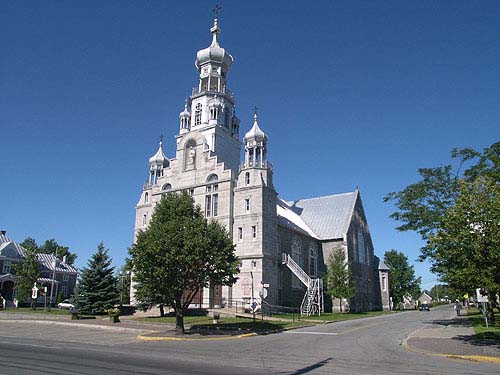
{"x": 479, "y": 296}
{"x": 266, "y": 285}
{"x": 255, "y": 305}
{"x": 263, "y": 293}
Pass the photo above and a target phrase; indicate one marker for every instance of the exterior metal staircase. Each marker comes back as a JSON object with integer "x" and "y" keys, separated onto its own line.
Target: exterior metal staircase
{"x": 312, "y": 303}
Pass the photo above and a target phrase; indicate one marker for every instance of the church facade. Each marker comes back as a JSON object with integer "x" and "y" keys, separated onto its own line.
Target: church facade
{"x": 240, "y": 194}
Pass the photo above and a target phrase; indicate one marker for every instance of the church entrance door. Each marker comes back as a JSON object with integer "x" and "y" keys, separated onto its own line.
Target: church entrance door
{"x": 215, "y": 296}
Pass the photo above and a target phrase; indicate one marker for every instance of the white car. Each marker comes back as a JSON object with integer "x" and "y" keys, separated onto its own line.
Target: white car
{"x": 65, "y": 305}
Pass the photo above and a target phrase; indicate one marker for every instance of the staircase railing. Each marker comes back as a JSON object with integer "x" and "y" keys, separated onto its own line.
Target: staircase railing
{"x": 312, "y": 303}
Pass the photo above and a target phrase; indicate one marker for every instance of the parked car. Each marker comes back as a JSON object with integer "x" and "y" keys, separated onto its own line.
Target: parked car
{"x": 424, "y": 307}
{"x": 65, "y": 305}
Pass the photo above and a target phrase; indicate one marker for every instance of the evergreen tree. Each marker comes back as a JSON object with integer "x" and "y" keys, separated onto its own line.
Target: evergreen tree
{"x": 179, "y": 253}
{"x": 27, "y": 274}
{"x": 340, "y": 282}
{"x": 96, "y": 292}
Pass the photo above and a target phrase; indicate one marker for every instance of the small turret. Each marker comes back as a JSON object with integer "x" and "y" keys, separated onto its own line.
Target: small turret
{"x": 255, "y": 145}
{"x": 185, "y": 119}
{"x": 156, "y": 164}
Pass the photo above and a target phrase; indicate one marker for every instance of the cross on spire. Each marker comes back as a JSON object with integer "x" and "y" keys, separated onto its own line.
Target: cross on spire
{"x": 255, "y": 109}
{"x": 161, "y": 139}
{"x": 217, "y": 10}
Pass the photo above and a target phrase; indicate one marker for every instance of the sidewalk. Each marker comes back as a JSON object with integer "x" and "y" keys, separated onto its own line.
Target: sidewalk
{"x": 453, "y": 338}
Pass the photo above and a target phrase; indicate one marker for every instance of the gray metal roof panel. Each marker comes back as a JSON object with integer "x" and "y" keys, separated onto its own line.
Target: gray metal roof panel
{"x": 327, "y": 216}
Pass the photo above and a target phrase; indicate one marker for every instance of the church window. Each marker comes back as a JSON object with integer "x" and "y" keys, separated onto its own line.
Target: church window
{"x": 247, "y": 178}
{"x": 215, "y": 207}
{"x": 191, "y": 192}
{"x": 254, "y": 264}
{"x": 258, "y": 157}
{"x": 240, "y": 233}
{"x": 208, "y": 205}
{"x": 254, "y": 231}
{"x": 384, "y": 283}
{"x": 146, "y": 198}
{"x": 167, "y": 187}
{"x": 361, "y": 247}
{"x": 226, "y": 121}
{"x": 212, "y": 200}
{"x": 197, "y": 114}
{"x": 7, "y": 265}
{"x": 247, "y": 204}
{"x": 145, "y": 219}
{"x": 297, "y": 257}
{"x": 313, "y": 261}
{"x": 250, "y": 157}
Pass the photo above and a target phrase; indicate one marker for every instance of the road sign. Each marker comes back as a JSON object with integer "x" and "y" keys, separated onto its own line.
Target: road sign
{"x": 479, "y": 295}
{"x": 263, "y": 293}
{"x": 255, "y": 305}
{"x": 34, "y": 292}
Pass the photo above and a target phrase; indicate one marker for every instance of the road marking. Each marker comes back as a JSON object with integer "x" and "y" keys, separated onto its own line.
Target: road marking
{"x": 314, "y": 333}
{"x": 33, "y": 345}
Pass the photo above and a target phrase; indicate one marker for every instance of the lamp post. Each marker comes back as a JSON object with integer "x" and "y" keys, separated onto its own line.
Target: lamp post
{"x": 121, "y": 275}
{"x": 54, "y": 263}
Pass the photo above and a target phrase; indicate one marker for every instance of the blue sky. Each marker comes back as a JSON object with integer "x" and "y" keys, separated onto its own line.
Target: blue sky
{"x": 351, "y": 93}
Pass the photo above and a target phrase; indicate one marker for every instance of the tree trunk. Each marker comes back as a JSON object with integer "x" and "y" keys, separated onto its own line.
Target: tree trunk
{"x": 490, "y": 306}
{"x": 340, "y": 302}
{"x": 179, "y": 320}
{"x": 162, "y": 310}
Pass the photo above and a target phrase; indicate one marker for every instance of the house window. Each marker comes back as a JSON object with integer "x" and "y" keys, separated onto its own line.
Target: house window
{"x": 247, "y": 204}
{"x": 254, "y": 231}
{"x": 146, "y": 198}
{"x": 247, "y": 178}
{"x": 65, "y": 277}
{"x": 240, "y": 233}
{"x": 64, "y": 289}
{"x": 197, "y": 114}
{"x": 7, "y": 265}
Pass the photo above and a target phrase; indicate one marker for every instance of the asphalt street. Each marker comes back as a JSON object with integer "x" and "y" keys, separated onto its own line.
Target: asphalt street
{"x": 364, "y": 346}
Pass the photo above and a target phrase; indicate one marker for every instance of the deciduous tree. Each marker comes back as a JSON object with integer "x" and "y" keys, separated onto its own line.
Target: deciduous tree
{"x": 27, "y": 274}
{"x": 179, "y": 253}
{"x": 340, "y": 281}
{"x": 401, "y": 275}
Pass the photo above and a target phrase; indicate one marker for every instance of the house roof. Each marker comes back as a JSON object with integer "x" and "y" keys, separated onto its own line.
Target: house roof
{"x": 329, "y": 216}
{"x": 46, "y": 260}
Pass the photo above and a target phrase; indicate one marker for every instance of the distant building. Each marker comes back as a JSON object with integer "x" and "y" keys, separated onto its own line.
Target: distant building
{"x": 282, "y": 244}
{"x": 53, "y": 272}
{"x": 425, "y": 298}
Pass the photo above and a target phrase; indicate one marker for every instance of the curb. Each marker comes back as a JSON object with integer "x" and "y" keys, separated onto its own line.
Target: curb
{"x": 169, "y": 338}
{"x": 472, "y": 358}
{"x": 83, "y": 325}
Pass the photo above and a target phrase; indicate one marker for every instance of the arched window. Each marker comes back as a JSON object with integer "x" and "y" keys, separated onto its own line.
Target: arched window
{"x": 146, "y": 198}
{"x": 212, "y": 197}
{"x": 297, "y": 257}
{"x": 247, "y": 178}
{"x": 313, "y": 261}
{"x": 145, "y": 219}
{"x": 197, "y": 114}
{"x": 167, "y": 187}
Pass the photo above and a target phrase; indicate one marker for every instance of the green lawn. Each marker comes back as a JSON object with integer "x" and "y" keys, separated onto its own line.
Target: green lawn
{"x": 332, "y": 317}
{"x": 227, "y": 322}
{"x": 477, "y": 320}
{"x": 38, "y": 310}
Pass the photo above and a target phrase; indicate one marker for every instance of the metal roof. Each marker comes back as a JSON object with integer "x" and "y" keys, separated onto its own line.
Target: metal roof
{"x": 45, "y": 260}
{"x": 327, "y": 216}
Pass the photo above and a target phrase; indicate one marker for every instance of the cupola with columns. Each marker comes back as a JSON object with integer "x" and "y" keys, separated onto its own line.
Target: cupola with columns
{"x": 255, "y": 146}
{"x": 157, "y": 163}
{"x": 185, "y": 119}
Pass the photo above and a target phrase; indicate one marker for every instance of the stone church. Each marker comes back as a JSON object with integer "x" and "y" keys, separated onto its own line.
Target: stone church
{"x": 283, "y": 246}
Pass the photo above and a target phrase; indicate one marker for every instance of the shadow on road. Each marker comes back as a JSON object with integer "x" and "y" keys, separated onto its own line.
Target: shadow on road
{"x": 448, "y": 322}
{"x": 315, "y": 366}
{"x": 477, "y": 340}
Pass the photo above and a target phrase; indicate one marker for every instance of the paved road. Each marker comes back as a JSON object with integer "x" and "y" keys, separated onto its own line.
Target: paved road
{"x": 365, "y": 346}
